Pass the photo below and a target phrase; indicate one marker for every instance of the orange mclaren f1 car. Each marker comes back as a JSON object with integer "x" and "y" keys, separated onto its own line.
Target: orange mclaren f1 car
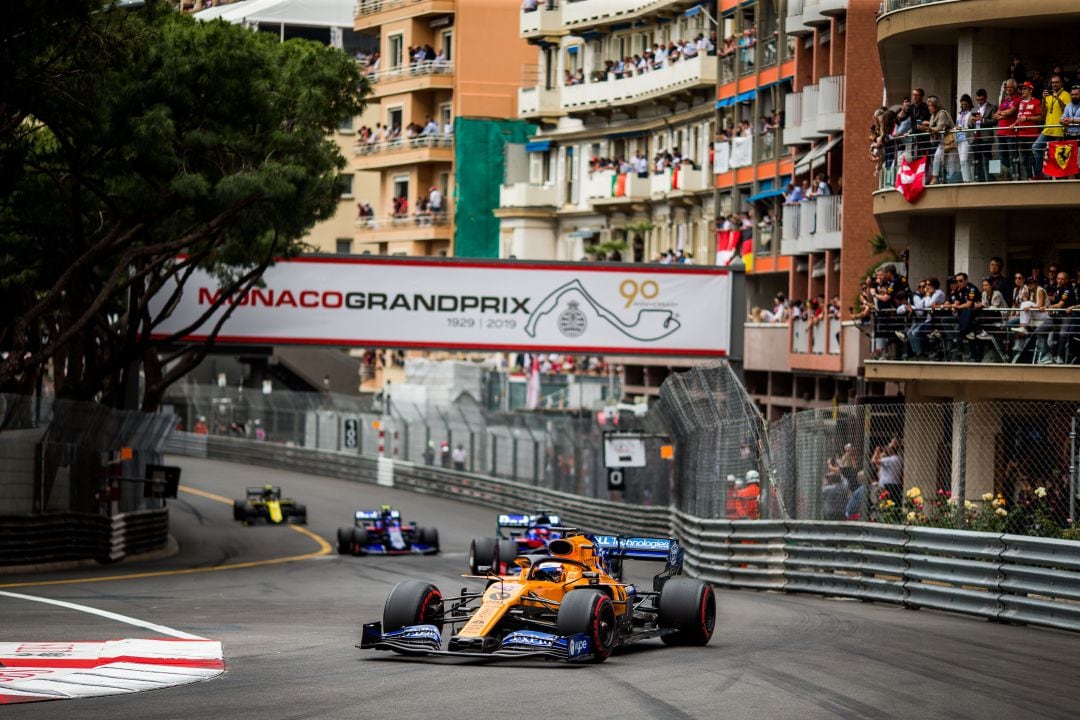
{"x": 571, "y": 605}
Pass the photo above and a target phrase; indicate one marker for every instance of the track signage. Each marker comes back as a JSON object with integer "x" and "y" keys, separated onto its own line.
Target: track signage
{"x": 484, "y": 305}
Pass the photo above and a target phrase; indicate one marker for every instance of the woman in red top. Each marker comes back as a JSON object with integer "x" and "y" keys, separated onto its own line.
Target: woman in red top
{"x": 1029, "y": 118}
{"x": 1006, "y": 136}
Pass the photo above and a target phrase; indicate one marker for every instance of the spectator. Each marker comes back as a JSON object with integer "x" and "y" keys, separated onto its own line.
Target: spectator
{"x": 1032, "y": 317}
{"x": 999, "y": 281}
{"x": 1063, "y": 299}
{"x": 981, "y": 140}
{"x": 1054, "y": 101}
{"x": 919, "y": 115}
{"x": 1070, "y": 116}
{"x": 964, "y": 125}
{"x": 991, "y": 298}
{"x": 435, "y": 200}
{"x": 1029, "y": 116}
{"x": 928, "y": 297}
{"x": 429, "y": 453}
{"x": 260, "y": 432}
{"x": 962, "y": 301}
{"x": 1004, "y": 119}
{"x": 940, "y": 128}
{"x": 889, "y": 462}
{"x": 858, "y": 505}
{"x": 458, "y": 457}
{"x": 834, "y": 497}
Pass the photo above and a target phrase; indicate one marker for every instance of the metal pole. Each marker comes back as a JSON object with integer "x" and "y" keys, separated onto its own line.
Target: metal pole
{"x": 961, "y": 466}
{"x": 1073, "y": 471}
{"x": 514, "y": 457}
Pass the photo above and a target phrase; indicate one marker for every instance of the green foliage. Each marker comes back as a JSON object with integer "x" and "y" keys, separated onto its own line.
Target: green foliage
{"x": 128, "y": 137}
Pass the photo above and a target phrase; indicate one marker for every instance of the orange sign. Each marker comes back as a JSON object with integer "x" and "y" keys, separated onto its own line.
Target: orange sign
{"x": 667, "y": 451}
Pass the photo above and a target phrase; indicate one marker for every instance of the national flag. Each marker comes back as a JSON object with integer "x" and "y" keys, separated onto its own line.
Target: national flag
{"x": 620, "y": 185}
{"x": 727, "y": 243}
{"x": 675, "y": 175}
{"x": 1061, "y": 159}
{"x": 747, "y": 253}
{"x": 910, "y": 178}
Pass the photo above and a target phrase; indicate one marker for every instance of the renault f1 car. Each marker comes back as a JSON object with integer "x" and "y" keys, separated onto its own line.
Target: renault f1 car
{"x": 381, "y": 532}
{"x": 266, "y": 503}
{"x": 515, "y": 535}
{"x": 570, "y": 605}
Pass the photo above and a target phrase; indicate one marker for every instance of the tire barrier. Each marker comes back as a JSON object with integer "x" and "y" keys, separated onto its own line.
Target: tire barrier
{"x": 1006, "y": 578}
{"x": 65, "y": 537}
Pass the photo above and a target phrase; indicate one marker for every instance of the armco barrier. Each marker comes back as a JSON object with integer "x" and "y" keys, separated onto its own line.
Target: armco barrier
{"x": 63, "y": 537}
{"x": 999, "y": 577}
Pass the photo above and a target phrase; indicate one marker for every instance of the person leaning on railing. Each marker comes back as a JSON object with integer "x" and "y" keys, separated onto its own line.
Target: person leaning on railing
{"x": 927, "y": 297}
{"x": 1070, "y": 116}
{"x": 1031, "y": 318}
{"x": 1063, "y": 299}
{"x": 1054, "y": 102}
{"x": 1005, "y": 119}
{"x": 940, "y": 127}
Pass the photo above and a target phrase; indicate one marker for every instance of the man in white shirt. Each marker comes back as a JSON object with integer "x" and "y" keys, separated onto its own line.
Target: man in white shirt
{"x": 431, "y": 128}
{"x": 458, "y": 456}
{"x": 641, "y": 165}
{"x": 435, "y": 200}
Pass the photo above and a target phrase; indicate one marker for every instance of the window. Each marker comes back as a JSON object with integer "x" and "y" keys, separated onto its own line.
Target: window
{"x": 394, "y": 116}
{"x": 345, "y": 185}
{"x": 401, "y": 186}
{"x": 344, "y": 246}
{"x": 347, "y": 126}
{"x": 446, "y": 115}
{"x": 448, "y": 44}
{"x": 397, "y": 46}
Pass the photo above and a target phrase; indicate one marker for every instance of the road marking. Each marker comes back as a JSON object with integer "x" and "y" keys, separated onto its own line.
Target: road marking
{"x": 324, "y": 549}
{"x": 161, "y": 629}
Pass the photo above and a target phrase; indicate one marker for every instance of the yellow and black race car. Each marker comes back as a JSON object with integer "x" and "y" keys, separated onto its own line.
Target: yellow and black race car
{"x": 266, "y": 503}
{"x": 571, "y": 605}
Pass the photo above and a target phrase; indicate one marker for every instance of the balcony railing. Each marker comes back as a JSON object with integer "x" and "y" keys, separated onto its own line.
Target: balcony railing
{"x": 1034, "y": 336}
{"x": 544, "y": 19}
{"x": 419, "y": 69}
{"x": 888, "y": 6}
{"x": 809, "y": 112}
{"x": 404, "y": 144}
{"x": 793, "y": 23}
{"x": 688, "y": 72}
{"x": 370, "y": 7}
{"x": 820, "y": 336}
{"x": 829, "y": 117}
{"x": 983, "y": 155}
{"x": 607, "y": 184}
{"x": 580, "y": 13}
{"x": 793, "y": 119}
{"x": 812, "y": 225}
{"x": 526, "y": 195}
{"x": 401, "y": 222}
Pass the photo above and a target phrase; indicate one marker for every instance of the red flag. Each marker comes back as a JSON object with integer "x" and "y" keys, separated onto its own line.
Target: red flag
{"x": 727, "y": 242}
{"x": 1061, "y": 159}
{"x": 910, "y": 178}
{"x": 675, "y": 178}
{"x": 620, "y": 185}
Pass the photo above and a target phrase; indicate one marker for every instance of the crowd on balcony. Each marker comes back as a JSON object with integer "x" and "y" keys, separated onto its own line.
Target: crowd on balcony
{"x": 741, "y": 44}
{"x": 421, "y": 56}
{"x": 640, "y": 165}
{"x": 660, "y": 56}
{"x": 383, "y": 136}
{"x": 429, "y": 209}
{"x": 559, "y": 364}
{"x": 807, "y": 191}
{"x": 814, "y": 311}
{"x": 1029, "y": 316}
{"x": 1000, "y": 136}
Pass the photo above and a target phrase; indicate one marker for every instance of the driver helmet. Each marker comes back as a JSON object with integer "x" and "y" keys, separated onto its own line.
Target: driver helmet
{"x": 386, "y": 510}
{"x": 549, "y": 572}
{"x": 268, "y": 490}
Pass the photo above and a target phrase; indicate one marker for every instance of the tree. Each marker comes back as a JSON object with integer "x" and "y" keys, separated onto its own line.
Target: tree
{"x": 137, "y": 145}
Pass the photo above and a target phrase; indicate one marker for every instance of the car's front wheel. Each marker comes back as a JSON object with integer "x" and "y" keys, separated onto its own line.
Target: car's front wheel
{"x": 344, "y": 541}
{"x": 413, "y": 602}
{"x": 239, "y": 510}
{"x": 590, "y": 612}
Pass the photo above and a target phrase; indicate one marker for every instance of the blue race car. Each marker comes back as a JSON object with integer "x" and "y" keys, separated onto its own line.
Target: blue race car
{"x": 515, "y": 535}
{"x": 381, "y": 532}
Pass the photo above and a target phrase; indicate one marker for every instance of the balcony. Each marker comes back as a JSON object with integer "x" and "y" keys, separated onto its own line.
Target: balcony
{"x": 579, "y": 14}
{"x": 812, "y": 226}
{"x": 374, "y": 13}
{"x": 828, "y": 8}
{"x": 404, "y": 151}
{"x": 404, "y": 228}
{"x": 608, "y": 188}
{"x": 821, "y": 337}
{"x": 690, "y": 180}
{"x": 428, "y": 75}
{"x": 527, "y": 195}
{"x": 687, "y": 74}
{"x": 809, "y": 113}
{"x": 793, "y": 119}
{"x": 793, "y": 22}
{"x": 544, "y": 21}
{"x": 989, "y": 176}
{"x": 830, "y": 105}
{"x": 538, "y": 102}
{"x": 765, "y": 346}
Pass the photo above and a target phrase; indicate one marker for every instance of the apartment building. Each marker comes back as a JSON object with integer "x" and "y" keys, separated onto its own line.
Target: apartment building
{"x": 445, "y": 82}
{"x": 992, "y": 204}
{"x": 620, "y": 167}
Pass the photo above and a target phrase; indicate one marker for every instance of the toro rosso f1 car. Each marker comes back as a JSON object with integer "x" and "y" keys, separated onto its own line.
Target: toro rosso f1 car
{"x": 515, "y": 535}
{"x": 266, "y": 503}
{"x": 381, "y": 532}
{"x": 571, "y": 605}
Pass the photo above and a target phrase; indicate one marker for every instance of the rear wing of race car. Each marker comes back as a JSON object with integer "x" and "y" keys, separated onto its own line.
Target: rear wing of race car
{"x": 620, "y": 547}
{"x": 524, "y": 521}
{"x": 258, "y": 491}
{"x": 375, "y": 514}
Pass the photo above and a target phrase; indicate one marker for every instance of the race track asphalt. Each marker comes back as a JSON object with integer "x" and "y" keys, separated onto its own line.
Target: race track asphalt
{"x": 289, "y": 631}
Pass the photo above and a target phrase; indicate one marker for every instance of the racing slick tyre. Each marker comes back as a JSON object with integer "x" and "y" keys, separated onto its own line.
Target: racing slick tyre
{"x": 413, "y": 602}
{"x": 429, "y": 536}
{"x": 359, "y": 541}
{"x": 239, "y": 510}
{"x": 590, "y": 612}
{"x": 689, "y": 607}
{"x": 344, "y": 541}
{"x": 299, "y": 514}
{"x": 508, "y": 551}
{"x": 482, "y": 554}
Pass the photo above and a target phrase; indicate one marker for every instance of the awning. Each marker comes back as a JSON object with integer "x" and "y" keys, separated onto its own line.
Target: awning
{"x": 573, "y": 49}
{"x": 747, "y": 96}
{"x": 816, "y": 157}
{"x": 789, "y": 78}
{"x": 726, "y": 102}
{"x": 765, "y": 195}
{"x": 538, "y": 146}
{"x": 620, "y": 26}
{"x": 586, "y": 233}
{"x": 592, "y": 35}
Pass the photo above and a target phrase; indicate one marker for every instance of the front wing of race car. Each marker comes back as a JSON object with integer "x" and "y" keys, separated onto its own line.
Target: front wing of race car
{"x": 427, "y": 640}
{"x": 414, "y": 548}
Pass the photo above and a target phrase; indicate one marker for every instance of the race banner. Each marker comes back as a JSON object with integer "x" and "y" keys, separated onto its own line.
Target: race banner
{"x": 426, "y": 303}
{"x": 1061, "y": 159}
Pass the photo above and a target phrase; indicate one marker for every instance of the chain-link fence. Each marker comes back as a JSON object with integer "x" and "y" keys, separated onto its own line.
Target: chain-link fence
{"x": 57, "y": 455}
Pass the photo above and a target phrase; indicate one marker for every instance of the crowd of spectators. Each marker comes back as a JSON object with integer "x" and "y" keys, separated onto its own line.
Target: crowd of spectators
{"x": 1032, "y": 315}
{"x": 1011, "y": 126}
{"x": 429, "y": 209}
{"x": 386, "y": 136}
{"x": 421, "y": 57}
{"x": 658, "y": 57}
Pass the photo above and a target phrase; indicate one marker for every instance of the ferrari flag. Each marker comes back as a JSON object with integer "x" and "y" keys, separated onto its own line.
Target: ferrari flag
{"x": 910, "y": 178}
{"x": 1061, "y": 159}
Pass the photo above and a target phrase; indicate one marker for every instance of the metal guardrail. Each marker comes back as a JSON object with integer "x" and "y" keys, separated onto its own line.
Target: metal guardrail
{"x": 1006, "y": 578}
{"x": 69, "y": 536}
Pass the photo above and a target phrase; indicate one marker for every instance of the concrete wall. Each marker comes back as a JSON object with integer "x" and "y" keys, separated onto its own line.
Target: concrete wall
{"x": 18, "y": 449}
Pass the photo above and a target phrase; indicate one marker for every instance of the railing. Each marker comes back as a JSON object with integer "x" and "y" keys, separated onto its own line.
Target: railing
{"x": 812, "y": 225}
{"x": 888, "y": 6}
{"x": 544, "y": 18}
{"x": 1048, "y": 336}
{"x": 992, "y": 575}
{"x": 828, "y": 213}
{"x": 369, "y": 7}
{"x": 698, "y": 70}
{"x": 396, "y": 222}
{"x": 402, "y": 144}
{"x": 981, "y": 156}
{"x": 793, "y": 23}
{"x": 526, "y": 195}
{"x": 831, "y": 95}
{"x": 536, "y": 101}
{"x": 809, "y": 111}
{"x": 419, "y": 69}
{"x": 789, "y": 228}
{"x": 587, "y": 12}
{"x": 65, "y": 537}
{"x": 793, "y": 118}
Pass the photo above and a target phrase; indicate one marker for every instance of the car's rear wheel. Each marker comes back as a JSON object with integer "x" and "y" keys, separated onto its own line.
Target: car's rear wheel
{"x": 689, "y": 607}
{"x": 299, "y": 514}
{"x": 239, "y": 510}
{"x": 344, "y": 541}
{"x": 359, "y": 541}
{"x": 508, "y": 551}
{"x": 590, "y": 612}
{"x": 429, "y": 536}
{"x": 482, "y": 555}
{"x": 413, "y": 602}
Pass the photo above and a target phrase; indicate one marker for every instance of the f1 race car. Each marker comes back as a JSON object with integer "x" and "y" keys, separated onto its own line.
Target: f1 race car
{"x": 514, "y": 535}
{"x": 564, "y": 606}
{"x": 266, "y": 503}
{"x": 381, "y": 532}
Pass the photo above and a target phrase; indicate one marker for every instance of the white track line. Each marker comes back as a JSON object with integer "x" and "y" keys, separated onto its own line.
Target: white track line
{"x": 106, "y": 614}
